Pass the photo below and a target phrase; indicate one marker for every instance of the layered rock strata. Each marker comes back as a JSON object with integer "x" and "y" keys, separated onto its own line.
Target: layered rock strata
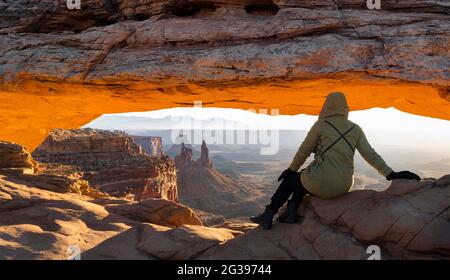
{"x": 111, "y": 162}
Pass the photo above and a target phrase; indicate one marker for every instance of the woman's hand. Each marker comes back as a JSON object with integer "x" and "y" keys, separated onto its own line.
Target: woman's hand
{"x": 402, "y": 175}
{"x": 286, "y": 173}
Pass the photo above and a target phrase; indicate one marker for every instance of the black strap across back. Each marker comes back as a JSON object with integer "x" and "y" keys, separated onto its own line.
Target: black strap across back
{"x": 341, "y": 136}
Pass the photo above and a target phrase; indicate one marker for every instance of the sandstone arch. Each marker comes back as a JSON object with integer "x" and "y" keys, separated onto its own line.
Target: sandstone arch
{"x": 138, "y": 57}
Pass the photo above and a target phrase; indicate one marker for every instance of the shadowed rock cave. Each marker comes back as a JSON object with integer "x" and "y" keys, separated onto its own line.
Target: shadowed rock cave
{"x": 263, "y": 8}
{"x": 191, "y": 9}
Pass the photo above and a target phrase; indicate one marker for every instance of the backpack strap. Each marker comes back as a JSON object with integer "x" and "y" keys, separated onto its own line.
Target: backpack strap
{"x": 341, "y": 136}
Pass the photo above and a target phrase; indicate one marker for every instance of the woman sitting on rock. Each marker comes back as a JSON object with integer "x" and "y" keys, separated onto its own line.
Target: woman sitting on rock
{"x": 333, "y": 139}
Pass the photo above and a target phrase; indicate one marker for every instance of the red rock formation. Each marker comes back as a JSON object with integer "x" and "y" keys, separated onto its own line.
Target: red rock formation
{"x": 38, "y": 223}
{"x": 75, "y": 143}
{"x": 204, "y": 156}
{"x": 156, "y": 211}
{"x": 410, "y": 220}
{"x": 399, "y": 220}
{"x": 151, "y": 144}
{"x": 184, "y": 159}
{"x": 204, "y": 188}
{"x": 13, "y": 155}
{"x": 181, "y": 243}
{"x": 17, "y": 164}
{"x": 111, "y": 162}
{"x": 41, "y": 224}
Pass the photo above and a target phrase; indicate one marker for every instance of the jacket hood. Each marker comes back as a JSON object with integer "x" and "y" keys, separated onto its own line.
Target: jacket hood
{"x": 335, "y": 104}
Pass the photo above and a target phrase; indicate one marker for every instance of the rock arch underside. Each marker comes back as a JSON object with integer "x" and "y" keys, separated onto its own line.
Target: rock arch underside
{"x": 62, "y": 68}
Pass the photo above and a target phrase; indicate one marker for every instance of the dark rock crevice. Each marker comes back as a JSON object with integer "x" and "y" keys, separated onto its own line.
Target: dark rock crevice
{"x": 262, "y": 8}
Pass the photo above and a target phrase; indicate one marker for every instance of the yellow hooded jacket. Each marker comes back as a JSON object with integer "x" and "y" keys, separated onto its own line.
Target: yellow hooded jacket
{"x": 330, "y": 174}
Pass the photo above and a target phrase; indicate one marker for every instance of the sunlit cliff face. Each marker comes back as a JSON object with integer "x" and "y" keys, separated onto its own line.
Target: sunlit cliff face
{"x": 71, "y": 66}
{"x": 27, "y": 117}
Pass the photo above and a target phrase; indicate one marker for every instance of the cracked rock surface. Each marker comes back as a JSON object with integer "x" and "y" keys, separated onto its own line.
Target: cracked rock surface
{"x": 407, "y": 221}
{"x": 111, "y": 42}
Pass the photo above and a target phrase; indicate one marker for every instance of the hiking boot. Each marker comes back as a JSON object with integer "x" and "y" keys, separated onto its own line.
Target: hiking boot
{"x": 265, "y": 219}
{"x": 257, "y": 219}
{"x": 290, "y": 215}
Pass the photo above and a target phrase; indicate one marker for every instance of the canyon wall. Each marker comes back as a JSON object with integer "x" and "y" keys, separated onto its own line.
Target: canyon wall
{"x": 63, "y": 68}
{"x": 111, "y": 162}
{"x": 151, "y": 144}
{"x": 17, "y": 165}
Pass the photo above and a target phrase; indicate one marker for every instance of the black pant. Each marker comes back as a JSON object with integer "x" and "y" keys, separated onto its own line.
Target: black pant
{"x": 290, "y": 185}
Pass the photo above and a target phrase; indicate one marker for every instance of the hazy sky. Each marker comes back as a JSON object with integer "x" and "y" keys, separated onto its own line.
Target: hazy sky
{"x": 384, "y": 127}
{"x": 375, "y": 119}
